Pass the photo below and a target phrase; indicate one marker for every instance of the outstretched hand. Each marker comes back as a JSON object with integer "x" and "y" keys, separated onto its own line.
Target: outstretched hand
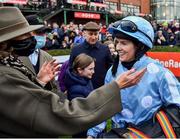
{"x": 130, "y": 78}
{"x": 48, "y": 71}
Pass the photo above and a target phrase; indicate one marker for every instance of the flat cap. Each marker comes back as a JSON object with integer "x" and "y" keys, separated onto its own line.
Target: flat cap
{"x": 91, "y": 26}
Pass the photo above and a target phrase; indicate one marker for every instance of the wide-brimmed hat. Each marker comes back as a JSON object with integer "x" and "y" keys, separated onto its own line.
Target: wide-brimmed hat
{"x": 13, "y": 24}
{"x": 92, "y": 26}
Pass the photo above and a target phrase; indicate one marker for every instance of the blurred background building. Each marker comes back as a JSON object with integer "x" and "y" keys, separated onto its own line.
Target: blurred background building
{"x": 165, "y": 10}
{"x": 106, "y": 11}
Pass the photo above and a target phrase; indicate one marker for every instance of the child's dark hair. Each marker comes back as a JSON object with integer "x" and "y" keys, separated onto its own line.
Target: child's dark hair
{"x": 82, "y": 61}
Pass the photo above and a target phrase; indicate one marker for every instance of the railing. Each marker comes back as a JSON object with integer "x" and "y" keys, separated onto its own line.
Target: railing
{"x": 45, "y": 8}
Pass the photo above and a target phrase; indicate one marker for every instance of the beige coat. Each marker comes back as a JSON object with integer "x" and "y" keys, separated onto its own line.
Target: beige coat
{"x": 27, "y": 110}
{"x": 43, "y": 56}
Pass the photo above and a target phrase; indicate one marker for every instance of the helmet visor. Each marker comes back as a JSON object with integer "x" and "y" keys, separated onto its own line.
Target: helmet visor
{"x": 128, "y": 26}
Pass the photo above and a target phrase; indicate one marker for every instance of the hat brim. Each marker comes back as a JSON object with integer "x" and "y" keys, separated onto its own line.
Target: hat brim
{"x": 11, "y": 35}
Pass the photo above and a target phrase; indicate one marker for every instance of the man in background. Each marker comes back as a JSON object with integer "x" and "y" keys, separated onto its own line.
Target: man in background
{"x": 92, "y": 47}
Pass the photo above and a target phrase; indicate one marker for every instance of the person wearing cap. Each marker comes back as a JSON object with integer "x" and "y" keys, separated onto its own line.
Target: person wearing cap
{"x": 35, "y": 60}
{"x": 158, "y": 88}
{"x": 92, "y": 47}
{"x": 26, "y": 108}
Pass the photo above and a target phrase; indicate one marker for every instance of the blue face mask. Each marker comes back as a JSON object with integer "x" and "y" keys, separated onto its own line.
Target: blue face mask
{"x": 41, "y": 41}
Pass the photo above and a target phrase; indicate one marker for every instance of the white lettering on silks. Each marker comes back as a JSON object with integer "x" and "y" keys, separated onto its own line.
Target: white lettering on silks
{"x": 170, "y": 63}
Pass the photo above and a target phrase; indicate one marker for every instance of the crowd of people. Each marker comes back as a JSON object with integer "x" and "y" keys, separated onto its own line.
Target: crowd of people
{"x": 167, "y": 34}
{"x": 116, "y": 49}
{"x": 66, "y": 36}
{"x": 108, "y": 75}
{"x": 28, "y": 108}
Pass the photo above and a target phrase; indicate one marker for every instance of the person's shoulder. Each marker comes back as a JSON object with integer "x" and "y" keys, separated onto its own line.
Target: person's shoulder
{"x": 102, "y": 46}
{"x": 43, "y": 52}
{"x": 155, "y": 66}
{"x": 80, "y": 45}
{"x": 77, "y": 48}
{"x": 9, "y": 71}
{"x": 154, "y": 61}
{"x": 109, "y": 71}
{"x": 6, "y": 69}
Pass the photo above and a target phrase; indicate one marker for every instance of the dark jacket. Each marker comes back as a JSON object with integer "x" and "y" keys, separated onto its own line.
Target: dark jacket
{"x": 27, "y": 110}
{"x": 103, "y": 59}
{"x": 77, "y": 86}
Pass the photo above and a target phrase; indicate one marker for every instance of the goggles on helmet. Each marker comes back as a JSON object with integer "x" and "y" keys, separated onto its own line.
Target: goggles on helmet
{"x": 128, "y": 26}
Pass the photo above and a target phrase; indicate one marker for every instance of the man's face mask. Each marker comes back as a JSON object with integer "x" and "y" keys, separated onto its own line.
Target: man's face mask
{"x": 41, "y": 41}
{"x": 24, "y": 47}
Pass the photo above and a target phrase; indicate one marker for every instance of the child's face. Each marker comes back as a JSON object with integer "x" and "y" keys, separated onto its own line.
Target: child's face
{"x": 111, "y": 48}
{"x": 88, "y": 71}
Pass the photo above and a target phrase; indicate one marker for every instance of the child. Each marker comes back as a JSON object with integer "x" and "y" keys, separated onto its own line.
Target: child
{"x": 78, "y": 80}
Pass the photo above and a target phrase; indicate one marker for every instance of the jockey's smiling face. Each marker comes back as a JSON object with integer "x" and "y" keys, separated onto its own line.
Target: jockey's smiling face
{"x": 126, "y": 50}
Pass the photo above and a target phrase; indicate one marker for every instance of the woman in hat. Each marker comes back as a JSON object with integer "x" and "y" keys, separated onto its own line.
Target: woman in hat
{"x": 28, "y": 110}
{"x": 159, "y": 87}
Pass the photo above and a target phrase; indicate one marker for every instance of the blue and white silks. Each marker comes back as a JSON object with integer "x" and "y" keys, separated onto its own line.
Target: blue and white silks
{"x": 157, "y": 87}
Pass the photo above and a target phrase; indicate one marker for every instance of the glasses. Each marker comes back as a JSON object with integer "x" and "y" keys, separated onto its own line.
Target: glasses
{"x": 128, "y": 26}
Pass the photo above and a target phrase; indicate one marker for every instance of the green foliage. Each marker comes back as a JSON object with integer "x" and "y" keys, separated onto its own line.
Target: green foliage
{"x": 64, "y": 137}
{"x": 108, "y": 125}
{"x": 59, "y": 52}
{"x": 165, "y": 49}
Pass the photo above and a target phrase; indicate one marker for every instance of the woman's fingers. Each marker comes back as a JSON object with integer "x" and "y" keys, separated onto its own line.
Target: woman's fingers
{"x": 136, "y": 77}
{"x": 44, "y": 64}
{"x": 52, "y": 61}
{"x": 129, "y": 72}
{"x": 56, "y": 73}
{"x": 52, "y": 65}
{"x": 130, "y": 78}
{"x": 55, "y": 67}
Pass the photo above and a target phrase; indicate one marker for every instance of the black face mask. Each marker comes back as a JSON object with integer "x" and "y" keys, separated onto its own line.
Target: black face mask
{"x": 24, "y": 47}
